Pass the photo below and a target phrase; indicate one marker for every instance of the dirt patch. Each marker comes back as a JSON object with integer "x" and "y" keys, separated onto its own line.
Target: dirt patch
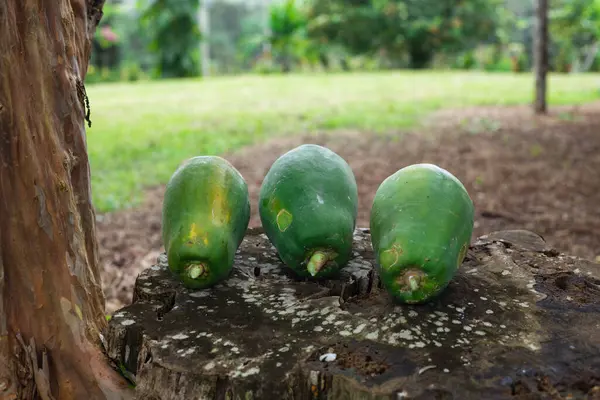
{"x": 522, "y": 171}
{"x": 358, "y": 356}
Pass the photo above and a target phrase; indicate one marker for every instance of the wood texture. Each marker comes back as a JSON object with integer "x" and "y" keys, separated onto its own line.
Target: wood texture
{"x": 541, "y": 55}
{"x": 51, "y": 302}
{"x": 519, "y": 321}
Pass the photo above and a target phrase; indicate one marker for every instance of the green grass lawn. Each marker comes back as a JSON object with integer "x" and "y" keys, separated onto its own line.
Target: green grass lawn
{"x": 142, "y": 131}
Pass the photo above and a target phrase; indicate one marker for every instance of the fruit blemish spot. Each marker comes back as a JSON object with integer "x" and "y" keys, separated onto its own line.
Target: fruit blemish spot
{"x": 284, "y": 220}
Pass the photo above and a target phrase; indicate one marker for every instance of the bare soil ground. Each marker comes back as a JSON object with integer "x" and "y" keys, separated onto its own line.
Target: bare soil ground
{"x": 522, "y": 171}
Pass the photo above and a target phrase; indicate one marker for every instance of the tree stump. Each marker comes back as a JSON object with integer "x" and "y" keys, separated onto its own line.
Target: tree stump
{"x": 518, "y": 321}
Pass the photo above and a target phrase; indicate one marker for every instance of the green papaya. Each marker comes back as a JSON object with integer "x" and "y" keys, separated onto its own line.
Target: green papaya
{"x": 205, "y": 214}
{"x": 421, "y": 224}
{"x": 308, "y": 204}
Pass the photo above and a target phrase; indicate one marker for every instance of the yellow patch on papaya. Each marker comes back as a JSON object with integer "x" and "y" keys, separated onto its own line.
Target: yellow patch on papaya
{"x": 275, "y": 205}
{"x": 284, "y": 220}
{"x": 462, "y": 254}
{"x": 220, "y": 213}
{"x": 193, "y": 236}
{"x": 197, "y": 234}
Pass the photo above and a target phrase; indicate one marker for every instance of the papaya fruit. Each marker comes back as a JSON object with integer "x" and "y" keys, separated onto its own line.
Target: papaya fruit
{"x": 205, "y": 215}
{"x": 308, "y": 204}
{"x": 421, "y": 223}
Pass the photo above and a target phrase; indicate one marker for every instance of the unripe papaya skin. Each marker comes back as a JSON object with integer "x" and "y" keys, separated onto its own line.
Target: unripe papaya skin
{"x": 421, "y": 224}
{"x": 308, "y": 204}
{"x": 205, "y": 215}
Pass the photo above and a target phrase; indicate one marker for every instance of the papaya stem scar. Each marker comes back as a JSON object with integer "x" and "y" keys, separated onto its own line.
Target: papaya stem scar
{"x": 196, "y": 270}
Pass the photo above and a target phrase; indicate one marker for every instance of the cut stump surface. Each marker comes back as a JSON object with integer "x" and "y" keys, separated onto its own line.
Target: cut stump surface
{"x": 519, "y": 321}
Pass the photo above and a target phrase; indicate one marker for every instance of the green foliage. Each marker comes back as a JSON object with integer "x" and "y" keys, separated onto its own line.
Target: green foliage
{"x": 287, "y": 23}
{"x": 287, "y": 38}
{"x": 119, "y": 47}
{"x": 175, "y": 36}
{"x": 577, "y": 19}
{"x": 162, "y": 36}
{"x": 575, "y": 30}
{"x": 406, "y": 29}
{"x": 109, "y": 38}
{"x": 111, "y": 18}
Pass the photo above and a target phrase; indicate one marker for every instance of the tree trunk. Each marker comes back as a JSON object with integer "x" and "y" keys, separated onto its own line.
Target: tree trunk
{"x": 51, "y": 302}
{"x": 541, "y": 55}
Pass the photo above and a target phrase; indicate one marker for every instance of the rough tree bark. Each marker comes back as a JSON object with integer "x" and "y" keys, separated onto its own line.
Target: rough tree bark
{"x": 541, "y": 55}
{"x": 51, "y": 303}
